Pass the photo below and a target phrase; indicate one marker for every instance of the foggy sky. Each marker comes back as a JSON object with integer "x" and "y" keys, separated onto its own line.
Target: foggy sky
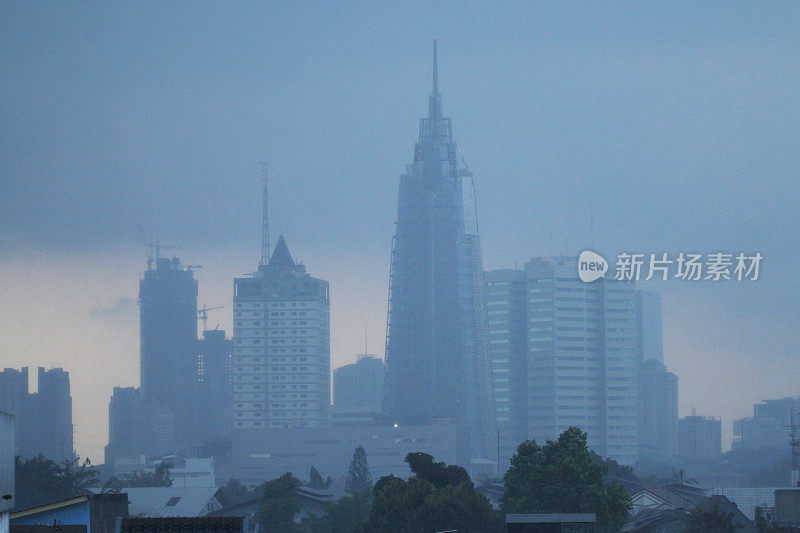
{"x": 673, "y": 128}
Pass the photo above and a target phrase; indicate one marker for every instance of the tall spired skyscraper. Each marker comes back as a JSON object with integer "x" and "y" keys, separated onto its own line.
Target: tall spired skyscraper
{"x": 436, "y": 358}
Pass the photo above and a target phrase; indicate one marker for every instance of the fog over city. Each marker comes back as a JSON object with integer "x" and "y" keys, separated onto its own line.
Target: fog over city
{"x": 640, "y": 129}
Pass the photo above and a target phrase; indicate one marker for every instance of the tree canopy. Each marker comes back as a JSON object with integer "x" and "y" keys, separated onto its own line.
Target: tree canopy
{"x": 279, "y": 504}
{"x": 437, "y": 497}
{"x": 563, "y": 477}
{"x": 40, "y": 481}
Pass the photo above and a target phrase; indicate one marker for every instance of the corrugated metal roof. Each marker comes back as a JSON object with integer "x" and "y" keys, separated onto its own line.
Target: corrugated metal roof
{"x": 157, "y": 502}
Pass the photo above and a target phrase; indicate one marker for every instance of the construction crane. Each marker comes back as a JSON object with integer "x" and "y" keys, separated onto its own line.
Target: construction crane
{"x": 202, "y": 313}
{"x": 192, "y": 267}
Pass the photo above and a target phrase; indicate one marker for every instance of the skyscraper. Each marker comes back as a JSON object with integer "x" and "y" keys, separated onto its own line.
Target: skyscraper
{"x": 281, "y": 346}
{"x": 435, "y": 348}
{"x": 168, "y": 351}
{"x": 168, "y": 329}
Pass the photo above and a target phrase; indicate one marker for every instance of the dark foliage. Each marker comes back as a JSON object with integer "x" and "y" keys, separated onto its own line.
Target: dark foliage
{"x": 563, "y": 477}
{"x": 40, "y": 481}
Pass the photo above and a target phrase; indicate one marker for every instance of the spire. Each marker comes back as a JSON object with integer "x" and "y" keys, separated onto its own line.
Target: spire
{"x": 264, "y": 221}
{"x": 435, "y": 70}
{"x": 435, "y": 102}
{"x": 281, "y": 256}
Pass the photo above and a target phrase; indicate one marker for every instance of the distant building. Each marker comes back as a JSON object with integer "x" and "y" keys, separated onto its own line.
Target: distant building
{"x": 43, "y": 420}
{"x": 437, "y": 364}
{"x": 358, "y": 391}
{"x": 649, "y": 337}
{"x": 281, "y": 347}
{"x": 168, "y": 352}
{"x": 507, "y": 313}
{"x": 7, "y": 481}
{"x": 137, "y": 427}
{"x": 215, "y": 386}
{"x": 699, "y": 438}
{"x": 769, "y": 427}
{"x": 564, "y": 353}
{"x": 658, "y": 410}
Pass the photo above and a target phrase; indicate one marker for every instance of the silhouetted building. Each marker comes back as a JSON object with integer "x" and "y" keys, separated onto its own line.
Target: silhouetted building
{"x": 281, "y": 351}
{"x": 649, "y": 338}
{"x": 436, "y": 357}
{"x": 563, "y": 354}
{"x": 214, "y": 387}
{"x": 168, "y": 356}
{"x": 658, "y": 410}
{"x": 699, "y": 438}
{"x": 770, "y": 425}
{"x": 358, "y": 391}
{"x": 43, "y": 419}
{"x": 137, "y": 427}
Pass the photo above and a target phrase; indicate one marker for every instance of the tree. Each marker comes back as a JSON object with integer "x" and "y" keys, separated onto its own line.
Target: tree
{"x": 40, "y": 481}
{"x": 158, "y": 478}
{"x": 315, "y": 480}
{"x": 711, "y": 520}
{"x": 233, "y": 492}
{"x": 346, "y": 515}
{"x": 562, "y": 477}
{"x": 279, "y": 504}
{"x": 439, "y": 474}
{"x": 358, "y": 477}
{"x": 436, "y": 498}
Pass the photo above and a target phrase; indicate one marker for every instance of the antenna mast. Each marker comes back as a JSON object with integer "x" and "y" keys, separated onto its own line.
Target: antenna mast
{"x": 264, "y": 221}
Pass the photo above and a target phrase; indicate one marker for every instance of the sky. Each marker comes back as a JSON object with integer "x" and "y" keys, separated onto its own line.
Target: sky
{"x": 638, "y": 127}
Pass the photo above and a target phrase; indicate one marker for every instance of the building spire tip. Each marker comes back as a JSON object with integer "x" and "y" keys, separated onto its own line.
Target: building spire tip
{"x": 435, "y": 69}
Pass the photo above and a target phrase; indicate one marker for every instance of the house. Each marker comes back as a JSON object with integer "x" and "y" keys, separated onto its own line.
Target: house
{"x": 161, "y": 502}
{"x": 93, "y": 513}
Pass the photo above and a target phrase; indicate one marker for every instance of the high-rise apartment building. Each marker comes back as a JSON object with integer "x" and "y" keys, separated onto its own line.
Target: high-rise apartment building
{"x": 43, "y": 419}
{"x": 437, "y": 366}
{"x": 281, "y": 346}
{"x": 563, "y": 354}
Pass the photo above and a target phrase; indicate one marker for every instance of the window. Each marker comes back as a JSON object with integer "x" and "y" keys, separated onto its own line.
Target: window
{"x": 173, "y": 501}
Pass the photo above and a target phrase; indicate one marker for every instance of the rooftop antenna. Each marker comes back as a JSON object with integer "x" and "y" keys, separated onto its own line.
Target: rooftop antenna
{"x": 366, "y": 351}
{"x": 264, "y": 221}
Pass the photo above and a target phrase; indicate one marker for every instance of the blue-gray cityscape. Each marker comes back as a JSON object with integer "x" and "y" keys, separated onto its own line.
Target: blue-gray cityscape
{"x": 522, "y": 354}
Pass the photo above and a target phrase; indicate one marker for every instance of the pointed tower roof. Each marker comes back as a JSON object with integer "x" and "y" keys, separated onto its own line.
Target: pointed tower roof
{"x": 281, "y": 256}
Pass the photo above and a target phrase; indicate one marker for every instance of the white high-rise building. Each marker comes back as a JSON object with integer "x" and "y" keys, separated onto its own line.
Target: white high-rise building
{"x": 281, "y": 346}
{"x": 564, "y": 353}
